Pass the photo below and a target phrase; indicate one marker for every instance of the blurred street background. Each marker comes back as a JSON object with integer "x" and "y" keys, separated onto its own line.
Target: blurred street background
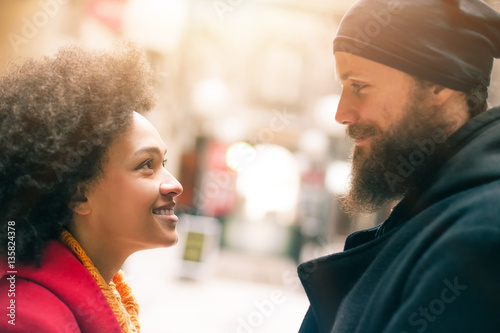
{"x": 247, "y": 98}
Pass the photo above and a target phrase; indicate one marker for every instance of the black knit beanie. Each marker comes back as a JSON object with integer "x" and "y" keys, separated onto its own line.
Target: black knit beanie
{"x": 448, "y": 42}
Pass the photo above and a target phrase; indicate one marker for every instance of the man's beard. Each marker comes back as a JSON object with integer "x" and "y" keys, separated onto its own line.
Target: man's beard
{"x": 397, "y": 160}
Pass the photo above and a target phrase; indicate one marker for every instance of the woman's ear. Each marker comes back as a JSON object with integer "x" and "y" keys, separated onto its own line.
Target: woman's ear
{"x": 80, "y": 204}
{"x": 81, "y": 207}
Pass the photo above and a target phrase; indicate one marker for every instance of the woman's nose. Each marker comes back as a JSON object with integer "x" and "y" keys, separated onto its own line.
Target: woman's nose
{"x": 170, "y": 186}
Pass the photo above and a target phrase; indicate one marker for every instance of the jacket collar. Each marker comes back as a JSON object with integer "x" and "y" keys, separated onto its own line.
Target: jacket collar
{"x": 328, "y": 279}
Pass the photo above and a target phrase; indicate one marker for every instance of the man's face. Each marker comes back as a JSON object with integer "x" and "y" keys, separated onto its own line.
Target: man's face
{"x": 373, "y": 95}
{"x": 396, "y": 128}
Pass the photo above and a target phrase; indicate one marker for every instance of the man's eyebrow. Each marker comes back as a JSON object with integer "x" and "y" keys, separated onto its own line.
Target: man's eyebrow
{"x": 347, "y": 75}
{"x": 153, "y": 150}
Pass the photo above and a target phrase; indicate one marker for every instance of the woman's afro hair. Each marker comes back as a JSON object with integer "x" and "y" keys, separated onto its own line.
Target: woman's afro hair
{"x": 58, "y": 117}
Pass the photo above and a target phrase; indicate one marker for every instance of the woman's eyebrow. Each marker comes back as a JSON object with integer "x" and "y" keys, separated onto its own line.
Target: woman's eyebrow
{"x": 153, "y": 150}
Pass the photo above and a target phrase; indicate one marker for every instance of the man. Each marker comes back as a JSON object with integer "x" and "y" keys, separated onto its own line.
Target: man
{"x": 415, "y": 75}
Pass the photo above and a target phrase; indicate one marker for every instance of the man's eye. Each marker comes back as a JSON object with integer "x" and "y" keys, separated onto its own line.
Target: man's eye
{"x": 357, "y": 87}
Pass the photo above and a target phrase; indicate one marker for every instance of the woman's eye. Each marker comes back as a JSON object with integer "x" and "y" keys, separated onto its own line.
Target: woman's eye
{"x": 146, "y": 165}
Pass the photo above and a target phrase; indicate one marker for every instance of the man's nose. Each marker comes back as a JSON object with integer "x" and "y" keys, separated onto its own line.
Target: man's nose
{"x": 346, "y": 114}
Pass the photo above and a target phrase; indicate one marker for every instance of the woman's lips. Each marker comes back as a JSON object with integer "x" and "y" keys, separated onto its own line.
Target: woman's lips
{"x": 167, "y": 211}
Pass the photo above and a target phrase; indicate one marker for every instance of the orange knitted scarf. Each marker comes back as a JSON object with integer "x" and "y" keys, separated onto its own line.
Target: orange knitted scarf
{"x": 118, "y": 292}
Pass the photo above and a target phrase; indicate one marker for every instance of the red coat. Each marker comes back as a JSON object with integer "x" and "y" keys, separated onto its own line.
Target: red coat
{"x": 60, "y": 296}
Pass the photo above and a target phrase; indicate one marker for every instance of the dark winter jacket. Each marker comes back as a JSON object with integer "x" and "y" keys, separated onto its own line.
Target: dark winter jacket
{"x": 434, "y": 264}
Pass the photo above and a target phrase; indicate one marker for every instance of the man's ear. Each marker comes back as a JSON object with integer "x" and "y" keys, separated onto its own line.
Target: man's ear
{"x": 442, "y": 94}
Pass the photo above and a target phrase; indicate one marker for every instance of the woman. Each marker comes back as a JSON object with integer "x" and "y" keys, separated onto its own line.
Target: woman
{"x": 82, "y": 187}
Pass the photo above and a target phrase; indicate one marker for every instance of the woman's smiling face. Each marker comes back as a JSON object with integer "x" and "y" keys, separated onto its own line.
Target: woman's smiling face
{"x": 131, "y": 208}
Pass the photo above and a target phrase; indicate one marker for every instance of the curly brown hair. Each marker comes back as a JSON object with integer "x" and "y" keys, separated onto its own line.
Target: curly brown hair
{"x": 58, "y": 117}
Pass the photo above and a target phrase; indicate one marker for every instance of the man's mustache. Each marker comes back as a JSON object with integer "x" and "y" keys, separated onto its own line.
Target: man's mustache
{"x": 361, "y": 131}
